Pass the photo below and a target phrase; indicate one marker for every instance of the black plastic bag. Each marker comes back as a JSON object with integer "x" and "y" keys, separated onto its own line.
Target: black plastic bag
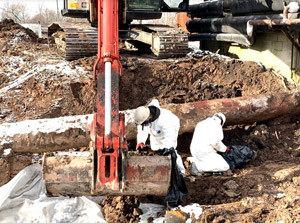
{"x": 238, "y": 156}
{"x": 177, "y": 185}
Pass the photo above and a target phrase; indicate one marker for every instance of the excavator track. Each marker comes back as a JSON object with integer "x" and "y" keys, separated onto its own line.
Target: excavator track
{"x": 75, "y": 40}
{"x": 78, "y": 40}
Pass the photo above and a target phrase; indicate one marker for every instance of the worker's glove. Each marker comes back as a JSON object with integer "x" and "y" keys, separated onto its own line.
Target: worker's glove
{"x": 140, "y": 145}
{"x": 227, "y": 150}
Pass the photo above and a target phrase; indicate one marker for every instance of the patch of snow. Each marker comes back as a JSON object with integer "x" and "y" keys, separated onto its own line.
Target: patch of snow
{"x": 193, "y": 210}
{"x": 13, "y": 61}
{"x": 28, "y": 53}
{"x": 198, "y": 53}
{"x": 63, "y": 66}
{"x": 43, "y": 126}
{"x": 151, "y": 210}
{"x": 18, "y": 81}
{"x": 6, "y": 152}
{"x": 19, "y": 37}
{"x": 84, "y": 153}
{"x": 280, "y": 195}
{"x": 36, "y": 70}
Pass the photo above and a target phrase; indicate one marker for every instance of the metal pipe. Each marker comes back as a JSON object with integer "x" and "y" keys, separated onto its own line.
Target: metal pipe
{"x": 237, "y": 25}
{"x": 107, "y": 98}
{"x": 242, "y": 7}
{"x": 275, "y": 22}
{"x": 204, "y": 9}
{"x": 226, "y": 37}
{"x": 237, "y": 7}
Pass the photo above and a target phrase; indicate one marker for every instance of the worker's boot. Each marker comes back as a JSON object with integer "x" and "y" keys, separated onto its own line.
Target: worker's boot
{"x": 228, "y": 173}
{"x": 217, "y": 173}
{"x": 194, "y": 171}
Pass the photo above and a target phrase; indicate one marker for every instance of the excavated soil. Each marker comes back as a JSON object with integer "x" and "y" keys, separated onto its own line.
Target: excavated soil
{"x": 35, "y": 82}
{"x": 121, "y": 209}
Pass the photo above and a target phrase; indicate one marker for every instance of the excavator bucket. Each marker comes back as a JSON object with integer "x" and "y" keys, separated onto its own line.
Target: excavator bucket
{"x": 72, "y": 174}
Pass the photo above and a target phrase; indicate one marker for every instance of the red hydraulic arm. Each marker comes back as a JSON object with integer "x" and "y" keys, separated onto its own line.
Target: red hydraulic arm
{"x": 108, "y": 128}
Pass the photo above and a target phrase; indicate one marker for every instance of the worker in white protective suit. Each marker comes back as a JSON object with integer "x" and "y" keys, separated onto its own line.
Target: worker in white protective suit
{"x": 205, "y": 145}
{"x": 163, "y": 127}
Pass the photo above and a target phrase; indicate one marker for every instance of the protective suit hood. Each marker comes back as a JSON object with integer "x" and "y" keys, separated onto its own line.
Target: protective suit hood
{"x": 220, "y": 118}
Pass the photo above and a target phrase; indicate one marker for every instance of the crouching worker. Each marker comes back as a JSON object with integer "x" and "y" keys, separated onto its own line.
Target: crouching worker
{"x": 205, "y": 145}
{"x": 162, "y": 126}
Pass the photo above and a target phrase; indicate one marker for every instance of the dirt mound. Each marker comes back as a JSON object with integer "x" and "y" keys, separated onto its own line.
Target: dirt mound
{"x": 12, "y": 35}
{"x": 123, "y": 209}
{"x": 10, "y": 29}
{"x": 200, "y": 77}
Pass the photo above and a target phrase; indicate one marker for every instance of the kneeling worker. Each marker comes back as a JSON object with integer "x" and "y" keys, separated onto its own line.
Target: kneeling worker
{"x": 205, "y": 145}
{"x": 163, "y": 127}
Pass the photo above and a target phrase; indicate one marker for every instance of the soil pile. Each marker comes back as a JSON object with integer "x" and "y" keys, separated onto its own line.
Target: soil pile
{"x": 12, "y": 37}
{"x": 203, "y": 76}
{"x": 121, "y": 209}
{"x": 35, "y": 82}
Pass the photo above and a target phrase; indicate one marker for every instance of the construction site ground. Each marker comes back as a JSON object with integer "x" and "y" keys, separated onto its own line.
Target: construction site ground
{"x": 36, "y": 82}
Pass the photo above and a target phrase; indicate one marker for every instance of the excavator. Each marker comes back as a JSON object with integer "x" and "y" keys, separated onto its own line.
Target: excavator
{"x": 79, "y": 40}
{"x": 106, "y": 169}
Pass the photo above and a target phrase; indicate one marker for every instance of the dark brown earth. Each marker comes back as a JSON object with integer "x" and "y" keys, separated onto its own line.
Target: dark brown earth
{"x": 265, "y": 190}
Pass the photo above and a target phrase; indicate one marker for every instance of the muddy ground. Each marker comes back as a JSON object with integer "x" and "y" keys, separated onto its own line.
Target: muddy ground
{"x": 36, "y": 82}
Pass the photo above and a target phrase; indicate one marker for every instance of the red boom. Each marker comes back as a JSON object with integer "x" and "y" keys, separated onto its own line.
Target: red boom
{"x": 107, "y": 127}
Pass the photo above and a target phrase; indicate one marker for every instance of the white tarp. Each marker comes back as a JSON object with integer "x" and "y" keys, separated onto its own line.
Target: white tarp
{"x": 23, "y": 200}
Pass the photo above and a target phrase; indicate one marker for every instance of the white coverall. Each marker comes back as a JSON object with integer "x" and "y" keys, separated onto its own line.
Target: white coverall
{"x": 163, "y": 132}
{"x": 206, "y": 142}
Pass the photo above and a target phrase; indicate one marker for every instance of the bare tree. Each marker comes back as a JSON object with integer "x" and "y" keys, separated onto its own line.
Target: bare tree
{"x": 45, "y": 17}
{"x": 15, "y": 11}
{"x": 40, "y": 8}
